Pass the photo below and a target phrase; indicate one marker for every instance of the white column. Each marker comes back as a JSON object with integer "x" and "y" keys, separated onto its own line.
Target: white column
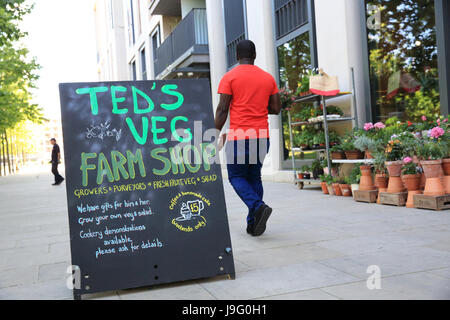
{"x": 217, "y": 46}
{"x": 261, "y": 30}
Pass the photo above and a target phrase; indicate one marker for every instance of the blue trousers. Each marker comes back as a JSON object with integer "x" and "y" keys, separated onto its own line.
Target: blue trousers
{"x": 244, "y": 162}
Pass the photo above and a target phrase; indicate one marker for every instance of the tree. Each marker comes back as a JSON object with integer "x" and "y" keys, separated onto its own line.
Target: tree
{"x": 17, "y": 74}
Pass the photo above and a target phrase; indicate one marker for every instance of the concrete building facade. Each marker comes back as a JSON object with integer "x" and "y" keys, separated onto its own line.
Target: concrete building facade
{"x": 167, "y": 39}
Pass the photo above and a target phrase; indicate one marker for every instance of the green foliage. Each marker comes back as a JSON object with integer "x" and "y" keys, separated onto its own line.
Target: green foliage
{"x": 355, "y": 175}
{"x": 328, "y": 178}
{"x": 410, "y": 168}
{"x": 316, "y": 165}
{"x": 430, "y": 150}
{"x": 17, "y": 71}
{"x": 305, "y": 168}
{"x": 379, "y": 159}
{"x": 364, "y": 143}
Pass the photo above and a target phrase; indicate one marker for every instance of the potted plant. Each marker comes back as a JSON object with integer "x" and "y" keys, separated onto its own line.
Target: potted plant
{"x": 323, "y": 184}
{"x": 306, "y": 172}
{"x": 381, "y": 176}
{"x": 336, "y": 188}
{"x": 329, "y": 181}
{"x": 349, "y": 149}
{"x": 345, "y": 187}
{"x": 354, "y": 178}
{"x": 431, "y": 154}
{"x": 336, "y": 152}
{"x": 411, "y": 179}
{"x": 317, "y": 169}
{"x": 287, "y": 98}
{"x": 394, "y": 163}
{"x": 366, "y": 181}
{"x": 365, "y": 144}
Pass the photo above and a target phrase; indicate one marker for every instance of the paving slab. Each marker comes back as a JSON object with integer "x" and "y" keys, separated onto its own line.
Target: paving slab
{"x": 316, "y": 247}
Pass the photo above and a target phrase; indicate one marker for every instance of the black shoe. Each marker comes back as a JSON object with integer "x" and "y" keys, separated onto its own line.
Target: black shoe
{"x": 54, "y": 184}
{"x": 250, "y": 229}
{"x": 60, "y": 181}
{"x": 261, "y": 216}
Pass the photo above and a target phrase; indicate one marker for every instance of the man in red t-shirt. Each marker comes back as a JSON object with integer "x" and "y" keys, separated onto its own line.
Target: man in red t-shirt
{"x": 249, "y": 94}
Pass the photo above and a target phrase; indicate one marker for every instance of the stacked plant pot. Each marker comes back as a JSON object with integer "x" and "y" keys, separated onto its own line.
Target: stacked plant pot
{"x": 434, "y": 174}
{"x": 381, "y": 183}
{"x": 366, "y": 182}
{"x": 446, "y": 169}
{"x": 395, "y": 184}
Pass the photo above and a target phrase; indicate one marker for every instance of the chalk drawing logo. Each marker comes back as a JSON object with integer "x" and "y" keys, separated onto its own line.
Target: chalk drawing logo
{"x": 102, "y": 130}
{"x": 190, "y": 208}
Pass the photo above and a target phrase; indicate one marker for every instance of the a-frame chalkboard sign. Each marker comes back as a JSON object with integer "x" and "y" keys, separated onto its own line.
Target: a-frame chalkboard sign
{"x": 144, "y": 190}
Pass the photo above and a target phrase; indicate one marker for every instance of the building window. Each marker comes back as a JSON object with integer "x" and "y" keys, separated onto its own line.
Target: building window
{"x": 143, "y": 65}
{"x": 294, "y": 60}
{"x": 131, "y": 32}
{"x": 403, "y": 59}
{"x": 234, "y": 27}
{"x": 290, "y": 15}
{"x": 296, "y": 51}
{"x": 155, "y": 41}
{"x": 133, "y": 71}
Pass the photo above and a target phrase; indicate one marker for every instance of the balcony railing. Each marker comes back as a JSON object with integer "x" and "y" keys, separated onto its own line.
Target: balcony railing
{"x": 191, "y": 34}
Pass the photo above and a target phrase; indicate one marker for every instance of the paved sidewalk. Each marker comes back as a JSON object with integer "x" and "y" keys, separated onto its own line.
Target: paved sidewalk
{"x": 315, "y": 247}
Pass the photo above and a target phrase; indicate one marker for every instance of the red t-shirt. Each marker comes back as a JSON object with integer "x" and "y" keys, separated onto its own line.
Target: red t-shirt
{"x": 251, "y": 88}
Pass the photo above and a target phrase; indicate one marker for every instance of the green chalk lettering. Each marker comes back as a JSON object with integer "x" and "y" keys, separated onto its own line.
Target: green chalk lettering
{"x": 167, "y": 164}
{"x": 140, "y": 139}
{"x": 135, "y": 158}
{"x": 169, "y": 89}
{"x": 137, "y": 92}
{"x": 155, "y": 130}
{"x": 118, "y": 165}
{"x": 208, "y": 152}
{"x": 174, "y": 130}
{"x": 103, "y": 169}
{"x": 93, "y": 96}
{"x": 177, "y": 160}
{"x": 116, "y": 100}
{"x": 85, "y": 166}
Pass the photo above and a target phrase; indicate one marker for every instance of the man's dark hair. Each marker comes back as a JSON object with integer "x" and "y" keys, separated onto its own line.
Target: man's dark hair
{"x": 246, "y": 50}
{"x": 53, "y": 139}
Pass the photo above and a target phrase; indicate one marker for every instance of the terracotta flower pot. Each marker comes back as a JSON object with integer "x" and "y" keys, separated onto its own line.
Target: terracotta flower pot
{"x": 337, "y": 190}
{"x": 366, "y": 182}
{"x": 323, "y": 185}
{"x": 395, "y": 185}
{"x": 410, "y": 201}
{"x": 330, "y": 189}
{"x": 394, "y": 168}
{"x": 432, "y": 168}
{"x": 300, "y": 175}
{"x": 446, "y": 166}
{"x": 447, "y": 184}
{"x": 337, "y": 155}
{"x": 423, "y": 180}
{"x": 434, "y": 187}
{"x": 368, "y": 155}
{"x": 345, "y": 190}
{"x": 381, "y": 181}
{"x": 411, "y": 181}
{"x": 434, "y": 174}
{"x": 380, "y": 190}
{"x": 353, "y": 154}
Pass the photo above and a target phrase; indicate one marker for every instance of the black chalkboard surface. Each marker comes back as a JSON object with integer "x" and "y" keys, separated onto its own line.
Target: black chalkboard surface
{"x": 145, "y": 197}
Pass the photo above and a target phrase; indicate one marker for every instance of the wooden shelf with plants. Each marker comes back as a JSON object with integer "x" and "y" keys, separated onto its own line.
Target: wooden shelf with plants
{"x": 313, "y": 120}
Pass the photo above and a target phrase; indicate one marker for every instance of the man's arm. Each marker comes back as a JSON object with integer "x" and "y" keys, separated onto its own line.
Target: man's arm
{"x": 274, "y": 104}
{"x": 222, "y": 111}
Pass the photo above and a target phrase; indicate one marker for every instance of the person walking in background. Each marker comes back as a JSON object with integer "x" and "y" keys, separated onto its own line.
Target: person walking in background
{"x": 56, "y": 158}
{"x": 249, "y": 94}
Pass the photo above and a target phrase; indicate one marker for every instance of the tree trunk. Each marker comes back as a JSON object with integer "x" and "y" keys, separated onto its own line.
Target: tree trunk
{"x": 3, "y": 153}
{"x": 7, "y": 154}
